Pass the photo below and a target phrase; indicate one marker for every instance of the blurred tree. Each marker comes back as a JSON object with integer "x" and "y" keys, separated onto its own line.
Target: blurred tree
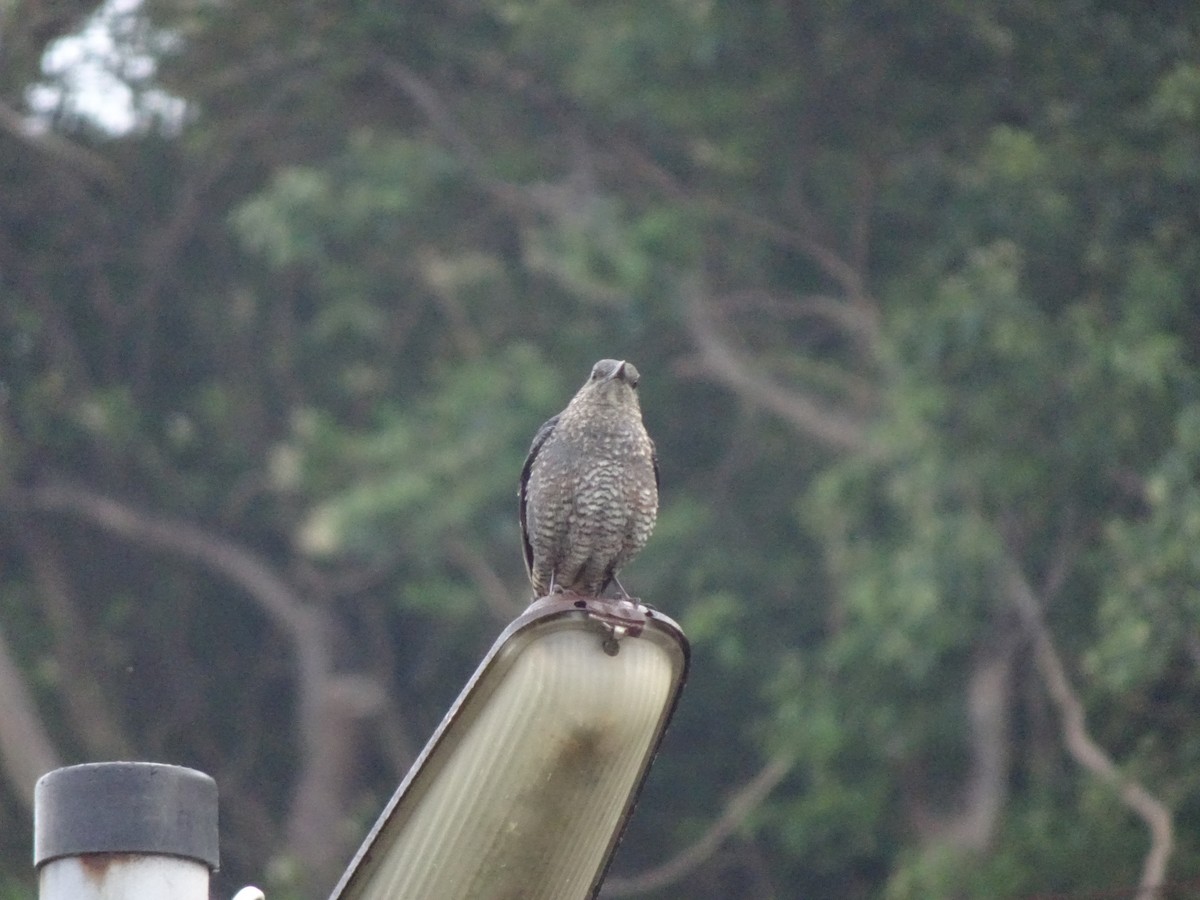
{"x": 913, "y": 287}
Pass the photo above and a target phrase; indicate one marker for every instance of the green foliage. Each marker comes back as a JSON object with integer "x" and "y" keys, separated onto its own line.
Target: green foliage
{"x": 316, "y": 217}
{"x": 13, "y": 889}
{"x": 1148, "y": 611}
{"x": 435, "y": 471}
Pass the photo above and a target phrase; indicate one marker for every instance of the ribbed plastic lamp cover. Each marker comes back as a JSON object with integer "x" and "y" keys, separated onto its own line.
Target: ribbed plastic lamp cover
{"x": 526, "y": 786}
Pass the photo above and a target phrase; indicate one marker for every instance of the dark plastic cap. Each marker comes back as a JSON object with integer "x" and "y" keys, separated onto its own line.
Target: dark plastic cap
{"x": 125, "y": 807}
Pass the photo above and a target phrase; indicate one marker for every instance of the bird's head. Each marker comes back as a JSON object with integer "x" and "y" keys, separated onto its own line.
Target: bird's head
{"x": 612, "y": 381}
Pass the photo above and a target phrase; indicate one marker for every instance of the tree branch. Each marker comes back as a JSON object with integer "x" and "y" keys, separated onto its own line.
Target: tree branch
{"x": 739, "y": 807}
{"x": 971, "y": 824}
{"x": 76, "y": 159}
{"x": 159, "y": 256}
{"x": 803, "y": 240}
{"x": 329, "y": 706}
{"x": 83, "y": 694}
{"x": 26, "y": 751}
{"x": 425, "y": 97}
{"x": 808, "y": 416}
{"x": 272, "y": 594}
{"x": 1079, "y": 742}
{"x": 488, "y": 583}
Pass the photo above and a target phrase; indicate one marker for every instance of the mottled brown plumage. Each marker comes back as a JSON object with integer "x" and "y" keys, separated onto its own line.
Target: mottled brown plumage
{"x": 589, "y": 488}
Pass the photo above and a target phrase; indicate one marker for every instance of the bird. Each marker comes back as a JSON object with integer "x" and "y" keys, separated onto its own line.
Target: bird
{"x": 589, "y": 487}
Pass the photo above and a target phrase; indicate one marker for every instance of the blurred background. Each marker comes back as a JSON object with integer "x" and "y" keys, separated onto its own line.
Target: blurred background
{"x": 287, "y": 288}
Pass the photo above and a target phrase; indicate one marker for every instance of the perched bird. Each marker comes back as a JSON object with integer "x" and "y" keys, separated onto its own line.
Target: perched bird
{"x": 589, "y": 488}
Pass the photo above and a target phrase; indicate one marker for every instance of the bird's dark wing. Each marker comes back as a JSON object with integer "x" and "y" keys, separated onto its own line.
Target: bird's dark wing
{"x": 539, "y": 439}
{"x": 654, "y": 462}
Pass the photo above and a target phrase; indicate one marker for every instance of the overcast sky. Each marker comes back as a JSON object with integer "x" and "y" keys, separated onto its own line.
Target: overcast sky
{"x": 100, "y": 72}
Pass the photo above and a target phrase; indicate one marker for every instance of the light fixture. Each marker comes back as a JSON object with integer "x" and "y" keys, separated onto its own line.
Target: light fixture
{"x": 524, "y": 789}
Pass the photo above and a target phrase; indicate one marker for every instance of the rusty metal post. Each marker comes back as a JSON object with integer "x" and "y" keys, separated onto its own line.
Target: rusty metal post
{"x": 124, "y": 831}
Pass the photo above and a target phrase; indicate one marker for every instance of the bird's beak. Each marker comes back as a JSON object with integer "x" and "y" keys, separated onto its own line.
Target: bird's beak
{"x": 618, "y": 372}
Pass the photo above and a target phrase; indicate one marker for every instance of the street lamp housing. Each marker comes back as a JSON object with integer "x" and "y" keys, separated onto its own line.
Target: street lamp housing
{"x": 525, "y": 787}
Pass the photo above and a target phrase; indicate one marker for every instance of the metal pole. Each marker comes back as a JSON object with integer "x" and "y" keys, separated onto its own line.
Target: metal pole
{"x": 124, "y": 831}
